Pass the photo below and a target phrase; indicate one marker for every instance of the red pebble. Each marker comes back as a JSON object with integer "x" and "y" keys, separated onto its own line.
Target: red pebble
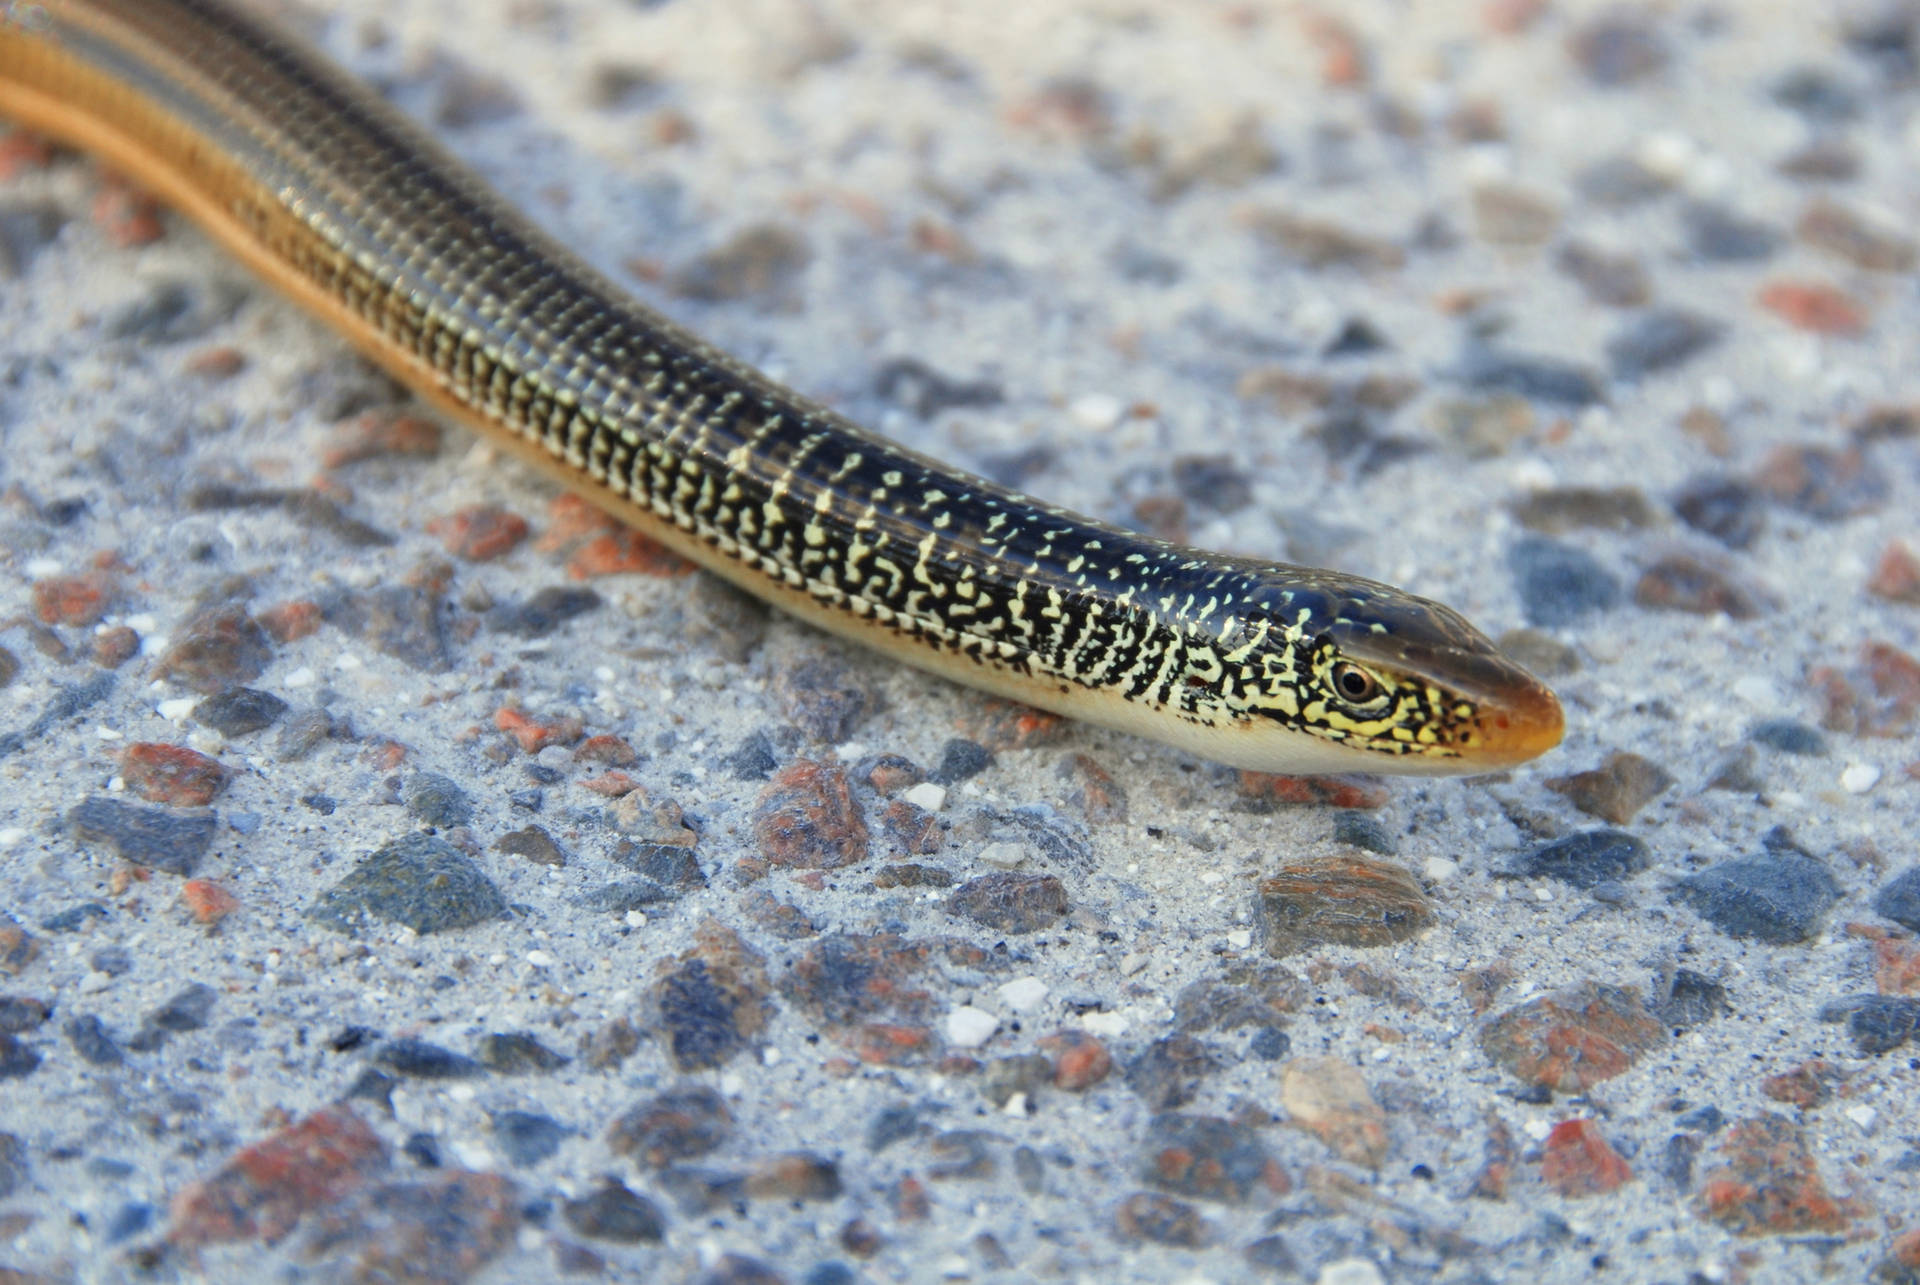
{"x": 173, "y": 774}
{"x": 1811, "y": 306}
{"x": 208, "y": 902}
{"x": 623, "y": 551}
{"x": 265, "y": 1189}
{"x": 534, "y": 734}
{"x": 73, "y": 600}
{"x": 1579, "y": 1162}
{"x": 292, "y": 621}
{"x": 481, "y": 533}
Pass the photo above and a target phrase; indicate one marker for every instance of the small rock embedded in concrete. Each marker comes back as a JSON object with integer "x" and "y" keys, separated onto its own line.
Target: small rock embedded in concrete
{"x": 968, "y": 1027}
{"x": 1011, "y": 902}
{"x": 421, "y": 1060}
{"x": 712, "y": 1001}
{"x": 1617, "y": 789}
{"x": 1092, "y": 790}
{"x": 302, "y": 735}
{"x": 1168, "y": 1072}
{"x": 171, "y": 775}
{"x": 868, "y": 993}
{"x": 676, "y": 1125}
{"x": 479, "y": 533}
{"x": 1248, "y": 995}
{"x": 239, "y": 711}
{"x": 1329, "y": 1098}
{"x": 1825, "y": 483}
{"x": 20, "y": 1013}
{"x": 796, "y": 1175}
{"x": 1899, "y": 899}
{"x": 1880, "y": 697}
{"x": 214, "y": 649}
{"x": 1556, "y": 510}
{"x": 1539, "y": 379}
{"x": 1808, "y": 1085}
{"x": 169, "y": 841}
{"x": 445, "y": 1228}
{"x": 525, "y": 1138}
{"x": 960, "y": 760}
{"x": 420, "y": 881}
{"x": 808, "y": 817}
{"x": 1358, "y": 830}
{"x": 1896, "y": 577}
{"x": 1879, "y": 1023}
{"x": 188, "y": 1009}
{"x": 1716, "y": 234}
{"x": 780, "y": 919}
{"x": 1778, "y": 897}
{"x": 1560, "y": 585}
{"x": 1162, "y": 1220}
{"x": 1686, "y": 999}
{"x": 1790, "y": 737}
{"x": 1611, "y": 279}
{"x": 266, "y": 1188}
{"x": 1830, "y": 226}
{"x": 533, "y": 843}
{"x": 1725, "y": 508}
{"x": 615, "y": 1213}
{"x": 1586, "y": 859}
{"x": 1346, "y": 900}
{"x": 1578, "y": 1161}
{"x": 1618, "y": 48}
{"x": 754, "y": 760}
{"x": 1660, "y": 339}
{"x": 1080, "y": 1060}
{"x": 1685, "y": 582}
{"x": 827, "y": 700}
{"x": 544, "y": 612}
{"x": 1209, "y": 1158}
{"x": 1770, "y": 1183}
{"x": 92, "y": 1041}
{"x": 1570, "y": 1041}
{"x": 437, "y": 800}
{"x": 18, "y": 1059}
{"x": 514, "y": 1053}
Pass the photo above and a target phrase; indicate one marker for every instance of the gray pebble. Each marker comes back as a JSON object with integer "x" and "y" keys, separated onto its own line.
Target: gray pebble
{"x": 143, "y": 836}
{"x": 1717, "y": 235}
{"x": 239, "y": 711}
{"x": 421, "y": 1060}
{"x": 1777, "y": 898}
{"x": 525, "y": 1138}
{"x": 302, "y": 735}
{"x": 437, "y": 800}
{"x": 1587, "y": 859}
{"x": 93, "y": 1042}
{"x": 1899, "y": 899}
{"x": 1559, "y": 584}
{"x": 1659, "y": 339}
{"x": 545, "y": 612}
{"x": 421, "y": 881}
{"x": 1790, "y": 737}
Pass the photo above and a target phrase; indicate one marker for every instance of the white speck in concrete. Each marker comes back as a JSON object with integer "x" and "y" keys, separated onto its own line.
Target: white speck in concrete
{"x": 927, "y": 796}
{"x": 969, "y": 1027}
{"x": 1858, "y": 778}
{"x": 1023, "y": 994}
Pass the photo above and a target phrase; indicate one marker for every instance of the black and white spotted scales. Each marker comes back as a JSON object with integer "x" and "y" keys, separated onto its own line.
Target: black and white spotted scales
{"x": 461, "y": 295}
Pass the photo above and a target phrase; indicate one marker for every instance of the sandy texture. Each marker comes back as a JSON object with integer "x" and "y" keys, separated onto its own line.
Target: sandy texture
{"x": 1367, "y": 284}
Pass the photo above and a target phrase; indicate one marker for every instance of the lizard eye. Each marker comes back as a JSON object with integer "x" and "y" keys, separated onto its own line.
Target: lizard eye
{"x": 1354, "y": 683}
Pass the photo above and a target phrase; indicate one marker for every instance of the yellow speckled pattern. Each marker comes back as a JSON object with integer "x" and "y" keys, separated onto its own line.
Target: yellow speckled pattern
{"x": 325, "y": 191}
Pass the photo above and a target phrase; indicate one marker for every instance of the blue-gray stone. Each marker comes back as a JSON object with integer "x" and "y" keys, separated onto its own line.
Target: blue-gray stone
{"x": 421, "y": 881}
{"x": 1777, "y": 898}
